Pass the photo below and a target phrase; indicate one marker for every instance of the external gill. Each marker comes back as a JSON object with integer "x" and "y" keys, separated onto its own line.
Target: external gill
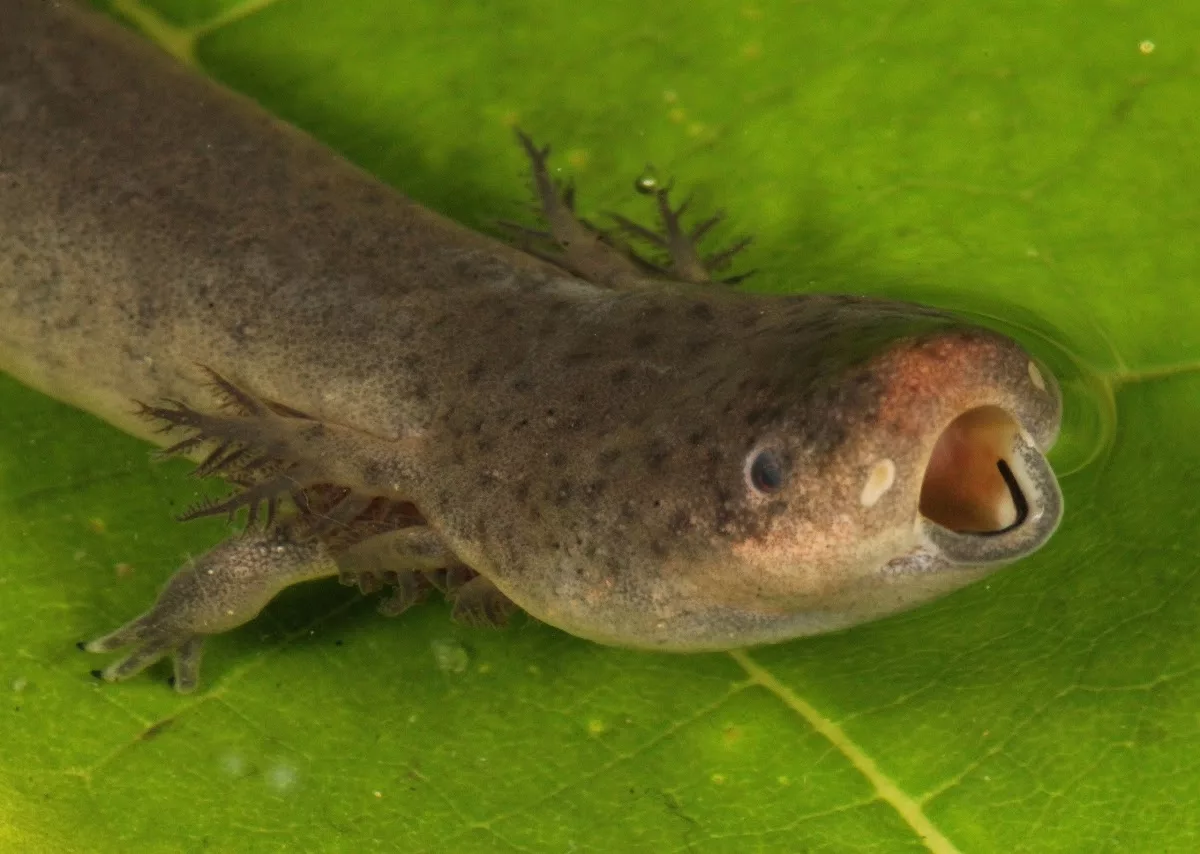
{"x": 254, "y": 447}
{"x": 604, "y": 256}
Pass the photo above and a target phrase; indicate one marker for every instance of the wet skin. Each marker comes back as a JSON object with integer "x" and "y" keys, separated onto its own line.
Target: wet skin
{"x": 624, "y": 449}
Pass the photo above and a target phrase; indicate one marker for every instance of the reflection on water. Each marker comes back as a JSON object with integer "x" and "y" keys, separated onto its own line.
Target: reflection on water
{"x": 1089, "y": 408}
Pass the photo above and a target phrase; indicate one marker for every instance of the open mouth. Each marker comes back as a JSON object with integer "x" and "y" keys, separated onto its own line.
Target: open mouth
{"x": 988, "y": 495}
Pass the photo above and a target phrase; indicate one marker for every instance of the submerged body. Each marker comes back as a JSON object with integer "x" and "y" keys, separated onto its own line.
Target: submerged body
{"x": 636, "y": 460}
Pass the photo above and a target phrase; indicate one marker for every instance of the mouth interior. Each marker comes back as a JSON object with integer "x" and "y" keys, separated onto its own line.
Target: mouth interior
{"x": 969, "y": 485}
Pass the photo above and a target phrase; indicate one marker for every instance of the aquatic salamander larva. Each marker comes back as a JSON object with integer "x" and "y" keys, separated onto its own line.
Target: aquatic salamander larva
{"x": 625, "y": 449}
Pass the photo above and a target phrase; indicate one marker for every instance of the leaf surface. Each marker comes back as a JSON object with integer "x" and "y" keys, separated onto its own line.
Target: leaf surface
{"x": 1028, "y": 163}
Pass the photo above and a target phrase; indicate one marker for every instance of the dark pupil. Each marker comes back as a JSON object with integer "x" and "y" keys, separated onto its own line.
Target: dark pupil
{"x": 766, "y": 472}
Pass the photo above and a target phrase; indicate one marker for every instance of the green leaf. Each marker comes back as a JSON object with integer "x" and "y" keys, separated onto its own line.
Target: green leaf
{"x": 1031, "y": 163}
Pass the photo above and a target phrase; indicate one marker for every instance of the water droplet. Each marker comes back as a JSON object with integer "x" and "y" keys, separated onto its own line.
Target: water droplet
{"x": 234, "y": 765}
{"x": 450, "y": 655}
{"x": 646, "y": 183}
{"x": 596, "y": 727}
{"x": 282, "y": 777}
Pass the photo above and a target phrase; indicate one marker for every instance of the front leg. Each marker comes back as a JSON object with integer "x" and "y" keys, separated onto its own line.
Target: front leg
{"x": 222, "y": 589}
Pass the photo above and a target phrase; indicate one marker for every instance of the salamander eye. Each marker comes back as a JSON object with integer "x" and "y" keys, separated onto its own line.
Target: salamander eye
{"x": 764, "y": 472}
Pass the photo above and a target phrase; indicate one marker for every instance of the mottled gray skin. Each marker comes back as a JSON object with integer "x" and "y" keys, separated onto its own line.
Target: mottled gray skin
{"x": 583, "y": 447}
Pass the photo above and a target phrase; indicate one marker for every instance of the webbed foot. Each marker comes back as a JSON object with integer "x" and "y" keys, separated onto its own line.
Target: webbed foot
{"x": 222, "y": 589}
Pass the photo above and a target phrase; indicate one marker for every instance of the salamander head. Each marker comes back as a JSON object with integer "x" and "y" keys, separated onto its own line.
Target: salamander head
{"x": 921, "y": 470}
{"x": 847, "y": 462}
{"x": 718, "y": 473}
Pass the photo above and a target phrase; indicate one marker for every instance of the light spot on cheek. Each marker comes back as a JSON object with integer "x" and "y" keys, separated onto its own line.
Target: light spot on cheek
{"x": 1035, "y": 377}
{"x": 879, "y": 481}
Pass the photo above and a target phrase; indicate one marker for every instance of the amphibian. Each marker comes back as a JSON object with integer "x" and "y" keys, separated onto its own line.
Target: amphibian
{"x": 627, "y": 450}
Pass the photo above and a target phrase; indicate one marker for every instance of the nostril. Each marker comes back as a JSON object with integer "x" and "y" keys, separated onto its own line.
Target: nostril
{"x": 969, "y": 486}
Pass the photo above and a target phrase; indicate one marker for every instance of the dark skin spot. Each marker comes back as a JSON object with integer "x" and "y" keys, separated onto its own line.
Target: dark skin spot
{"x": 761, "y": 413}
{"x": 645, "y": 340}
{"x": 522, "y": 385}
{"x": 656, "y": 455}
{"x": 578, "y": 357}
{"x": 701, "y": 311}
{"x": 372, "y": 473}
{"x": 607, "y": 457}
{"x": 653, "y": 312}
{"x": 597, "y": 487}
{"x": 621, "y": 376}
{"x": 476, "y": 371}
{"x": 724, "y": 516}
{"x": 680, "y": 522}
